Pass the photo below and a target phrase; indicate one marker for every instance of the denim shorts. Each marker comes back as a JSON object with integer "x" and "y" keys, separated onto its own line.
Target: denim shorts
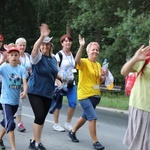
{"x": 71, "y": 97}
{"x": 8, "y": 117}
{"x": 88, "y": 105}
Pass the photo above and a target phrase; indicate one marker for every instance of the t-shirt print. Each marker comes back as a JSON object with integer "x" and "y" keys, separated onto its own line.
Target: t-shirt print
{"x": 14, "y": 81}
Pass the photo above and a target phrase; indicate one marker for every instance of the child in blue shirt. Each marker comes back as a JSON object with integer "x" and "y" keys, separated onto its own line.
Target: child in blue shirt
{"x": 13, "y": 75}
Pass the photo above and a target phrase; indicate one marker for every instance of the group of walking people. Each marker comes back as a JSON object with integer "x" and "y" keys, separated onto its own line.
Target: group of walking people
{"x": 45, "y": 72}
{"x": 43, "y": 59}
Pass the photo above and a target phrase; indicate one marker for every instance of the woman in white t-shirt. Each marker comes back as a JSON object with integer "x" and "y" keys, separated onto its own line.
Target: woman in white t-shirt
{"x": 24, "y": 61}
{"x": 1, "y": 56}
{"x": 66, "y": 63}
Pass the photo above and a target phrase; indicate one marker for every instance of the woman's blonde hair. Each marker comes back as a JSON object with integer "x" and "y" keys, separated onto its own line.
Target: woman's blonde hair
{"x": 90, "y": 44}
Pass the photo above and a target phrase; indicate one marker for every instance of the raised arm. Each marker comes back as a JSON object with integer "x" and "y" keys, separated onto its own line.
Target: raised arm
{"x": 79, "y": 53}
{"x": 44, "y": 31}
{"x": 4, "y": 58}
{"x": 140, "y": 55}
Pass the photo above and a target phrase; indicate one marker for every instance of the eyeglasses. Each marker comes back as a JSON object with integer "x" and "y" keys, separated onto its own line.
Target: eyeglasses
{"x": 1, "y": 41}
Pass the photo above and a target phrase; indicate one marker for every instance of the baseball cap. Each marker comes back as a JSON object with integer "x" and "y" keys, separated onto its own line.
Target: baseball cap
{"x": 11, "y": 47}
{"x": 1, "y": 38}
{"x": 14, "y": 48}
{"x": 47, "y": 39}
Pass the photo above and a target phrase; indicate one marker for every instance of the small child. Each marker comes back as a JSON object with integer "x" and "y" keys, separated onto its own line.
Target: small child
{"x": 13, "y": 75}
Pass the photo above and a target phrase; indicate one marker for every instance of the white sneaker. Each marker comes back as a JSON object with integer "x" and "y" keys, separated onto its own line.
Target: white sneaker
{"x": 68, "y": 126}
{"x": 58, "y": 128}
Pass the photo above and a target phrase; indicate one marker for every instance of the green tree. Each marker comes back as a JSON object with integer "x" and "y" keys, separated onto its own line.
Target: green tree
{"x": 132, "y": 32}
{"x": 120, "y": 27}
{"x": 17, "y": 20}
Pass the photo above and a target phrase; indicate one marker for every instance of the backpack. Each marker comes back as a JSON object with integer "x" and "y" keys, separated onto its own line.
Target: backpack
{"x": 131, "y": 78}
{"x": 129, "y": 82}
{"x": 61, "y": 57}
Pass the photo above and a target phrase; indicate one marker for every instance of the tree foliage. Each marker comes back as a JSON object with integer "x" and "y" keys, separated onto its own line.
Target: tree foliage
{"x": 120, "y": 27}
{"x": 132, "y": 32}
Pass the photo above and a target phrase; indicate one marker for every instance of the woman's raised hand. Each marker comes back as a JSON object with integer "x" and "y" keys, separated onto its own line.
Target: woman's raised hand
{"x": 44, "y": 29}
{"x": 142, "y": 53}
{"x": 81, "y": 40}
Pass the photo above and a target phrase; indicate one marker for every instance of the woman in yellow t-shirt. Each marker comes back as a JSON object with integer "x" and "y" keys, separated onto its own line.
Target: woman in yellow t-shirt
{"x": 137, "y": 135}
{"x": 88, "y": 92}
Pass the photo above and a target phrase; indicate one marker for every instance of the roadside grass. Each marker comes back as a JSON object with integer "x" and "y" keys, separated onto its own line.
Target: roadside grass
{"x": 116, "y": 101}
{"x": 111, "y": 100}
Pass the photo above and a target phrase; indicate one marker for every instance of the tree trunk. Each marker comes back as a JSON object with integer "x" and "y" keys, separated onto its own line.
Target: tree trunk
{"x": 68, "y": 29}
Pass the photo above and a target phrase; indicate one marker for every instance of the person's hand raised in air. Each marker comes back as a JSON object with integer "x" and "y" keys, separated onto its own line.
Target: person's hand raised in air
{"x": 142, "y": 53}
{"x": 81, "y": 41}
{"x": 44, "y": 30}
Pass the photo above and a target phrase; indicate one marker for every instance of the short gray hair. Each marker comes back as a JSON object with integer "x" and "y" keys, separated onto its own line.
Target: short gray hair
{"x": 21, "y": 40}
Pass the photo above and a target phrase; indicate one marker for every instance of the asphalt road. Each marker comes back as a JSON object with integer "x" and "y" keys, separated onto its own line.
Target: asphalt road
{"x": 111, "y": 127}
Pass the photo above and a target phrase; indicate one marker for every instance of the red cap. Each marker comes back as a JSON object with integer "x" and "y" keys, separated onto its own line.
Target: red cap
{"x": 11, "y": 47}
{"x": 1, "y": 38}
{"x": 14, "y": 48}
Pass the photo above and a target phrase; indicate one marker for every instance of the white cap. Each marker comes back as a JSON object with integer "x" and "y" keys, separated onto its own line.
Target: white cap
{"x": 47, "y": 39}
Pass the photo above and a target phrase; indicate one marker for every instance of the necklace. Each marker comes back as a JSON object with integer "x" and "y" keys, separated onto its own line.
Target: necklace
{"x": 69, "y": 60}
{"x": 96, "y": 71}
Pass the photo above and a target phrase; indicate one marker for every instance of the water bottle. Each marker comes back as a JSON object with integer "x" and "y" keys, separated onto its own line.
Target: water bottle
{"x": 65, "y": 76}
{"x": 105, "y": 64}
